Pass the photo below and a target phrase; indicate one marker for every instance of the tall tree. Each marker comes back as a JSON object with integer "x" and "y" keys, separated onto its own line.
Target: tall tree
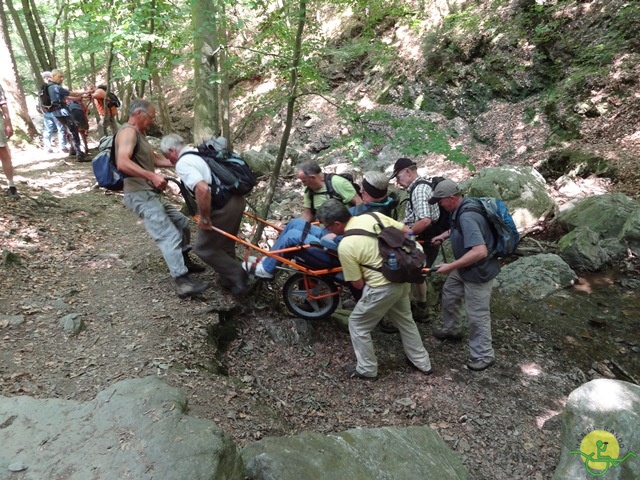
{"x": 33, "y": 62}
{"x": 206, "y": 46}
{"x": 301, "y": 16}
{"x": 10, "y": 78}
{"x": 32, "y": 25}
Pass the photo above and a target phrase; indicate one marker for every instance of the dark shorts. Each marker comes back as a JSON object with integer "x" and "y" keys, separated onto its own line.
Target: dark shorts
{"x": 80, "y": 118}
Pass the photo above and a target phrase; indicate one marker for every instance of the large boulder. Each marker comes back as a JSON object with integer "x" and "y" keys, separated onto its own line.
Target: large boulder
{"x": 600, "y": 434}
{"x": 134, "y": 429}
{"x": 601, "y": 229}
{"x": 522, "y": 189}
{"x": 534, "y": 277}
{"x": 368, "y": 454}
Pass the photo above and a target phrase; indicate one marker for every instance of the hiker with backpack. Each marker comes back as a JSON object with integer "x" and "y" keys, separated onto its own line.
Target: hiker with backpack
{"x": 58, "y": 95}
{"x": 51, "y": 124}
{"x": 108, "y": 115}
{"x": 423, "y": 219}
{"x": 321, "y": 186}
{"x": 225, "y": 213}
{"x": 361, "y": 260}
{"x": 375, "y": 197}
{"x": 143, "y": 187}
{"x": 470, "y": 276}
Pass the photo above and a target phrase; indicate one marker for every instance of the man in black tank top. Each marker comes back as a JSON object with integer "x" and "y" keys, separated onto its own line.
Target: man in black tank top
{"x": 143, "y": 188}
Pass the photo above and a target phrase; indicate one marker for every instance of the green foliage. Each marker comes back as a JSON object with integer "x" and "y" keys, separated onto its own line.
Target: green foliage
{"x": 373, "y": 129}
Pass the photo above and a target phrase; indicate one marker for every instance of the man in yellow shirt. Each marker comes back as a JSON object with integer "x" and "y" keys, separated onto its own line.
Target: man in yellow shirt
{"x": 360, "y": 257}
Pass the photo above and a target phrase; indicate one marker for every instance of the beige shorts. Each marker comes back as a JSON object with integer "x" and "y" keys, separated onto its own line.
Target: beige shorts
{"x": 3, "y": 137}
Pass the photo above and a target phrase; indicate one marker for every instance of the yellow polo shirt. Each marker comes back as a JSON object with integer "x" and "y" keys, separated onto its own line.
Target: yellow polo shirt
{"x": 357, "y": 250}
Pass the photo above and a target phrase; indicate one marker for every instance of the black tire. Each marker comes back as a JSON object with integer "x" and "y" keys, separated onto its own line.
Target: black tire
{"x": 298, "y": 302}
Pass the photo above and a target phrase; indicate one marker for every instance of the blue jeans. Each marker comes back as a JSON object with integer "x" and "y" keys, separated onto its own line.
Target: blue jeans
{"x": 51, "y": 123}
{"x": 291, "y": 236}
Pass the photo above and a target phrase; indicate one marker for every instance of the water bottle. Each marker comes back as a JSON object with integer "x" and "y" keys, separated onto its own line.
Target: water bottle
{"x": 411, "y": 236}
{"x": 392, "y": 262}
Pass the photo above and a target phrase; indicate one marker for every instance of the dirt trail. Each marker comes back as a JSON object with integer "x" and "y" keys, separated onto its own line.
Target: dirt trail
{"x": 81, "y": 252}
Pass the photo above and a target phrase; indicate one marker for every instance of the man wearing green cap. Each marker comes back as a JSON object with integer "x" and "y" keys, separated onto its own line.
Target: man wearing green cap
{"x": 470, "y": 277}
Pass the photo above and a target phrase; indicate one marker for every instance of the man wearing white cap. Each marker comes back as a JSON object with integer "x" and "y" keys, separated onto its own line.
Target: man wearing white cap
{"x": 471, "y": 275}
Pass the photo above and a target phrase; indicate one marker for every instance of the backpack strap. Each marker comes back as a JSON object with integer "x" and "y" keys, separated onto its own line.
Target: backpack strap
{"x": 330, "y": 191}
{"x": 420, "y": 181}
{"x": 366, "y": 233}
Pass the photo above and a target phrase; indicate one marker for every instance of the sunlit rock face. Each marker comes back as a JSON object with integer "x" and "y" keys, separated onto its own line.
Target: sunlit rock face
{"x": 600, "y": 432}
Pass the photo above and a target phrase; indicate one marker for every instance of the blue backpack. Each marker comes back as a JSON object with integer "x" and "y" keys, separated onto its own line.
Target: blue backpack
{"x": 500, "y": 220}
{"x": 104, "y": 165}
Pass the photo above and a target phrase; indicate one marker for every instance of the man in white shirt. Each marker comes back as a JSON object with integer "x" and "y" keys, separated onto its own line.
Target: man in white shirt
{"x": 213, "y": 248}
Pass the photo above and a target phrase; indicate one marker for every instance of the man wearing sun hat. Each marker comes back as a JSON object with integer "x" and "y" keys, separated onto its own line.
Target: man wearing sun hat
{"x": 420, "y": 217}
{"x": 470, "y": 277}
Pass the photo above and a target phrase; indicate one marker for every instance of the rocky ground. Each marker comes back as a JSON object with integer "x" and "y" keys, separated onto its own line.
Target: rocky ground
{"x": 72, "y": 250}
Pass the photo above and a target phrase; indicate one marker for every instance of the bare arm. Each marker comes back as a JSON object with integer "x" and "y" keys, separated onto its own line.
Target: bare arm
{"x": 125, "y": 144}
{"x": 8, "y": 128}
{"x": 474, "y": 255}
{"x": 203, "y": 199}
{"x": 421, "y": 225}
{"x": 307, "y": 216}
{"x": 356, "y": 200}
{"x": 359, "y": 284}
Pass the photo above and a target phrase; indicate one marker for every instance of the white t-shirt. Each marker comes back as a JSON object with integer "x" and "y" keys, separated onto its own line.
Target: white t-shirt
{"x": 192, "y": 169}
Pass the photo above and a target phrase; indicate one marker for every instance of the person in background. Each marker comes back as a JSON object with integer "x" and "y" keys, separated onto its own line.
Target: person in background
{"x": 470, "y": 277}
{"x": 143, "y": 195}
{"x": 109, "y": 116}
{"x": 312, "y": 177}
{"x": 360, "y": 258}
{"x": 51, "y": 123}
{"x": 59, "y": 95}
{"x": 6, "y": 131}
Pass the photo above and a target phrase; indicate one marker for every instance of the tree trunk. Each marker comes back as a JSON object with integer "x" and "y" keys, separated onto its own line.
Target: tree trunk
{"x": 149, "y": 46}
{"x": 51, "y": 55}
{"x": 206, "y": 116}
{"x": 11, "y": 80}
{"x": 225, "y": 103}
{"x": 35, "y": 35}
{"x": 33, "y": 63}
{"x": 110, "y": 59}
{"x": 163, "y": 109}
{"x": 291, "y": 102}
{"x": 67, "y": 60}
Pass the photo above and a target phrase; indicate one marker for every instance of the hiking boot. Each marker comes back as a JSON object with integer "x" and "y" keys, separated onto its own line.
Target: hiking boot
{"x": 72, "y": 152}
{"x": 191, "y": 265}
{"x": 420, "y": 312}
{"x": 81, "y": 157}
{"x": 351, "y": 370}
{"x": 426, "y": 373}
{"x": 446, "y": 335}
{"x": 186, "y": 286}
{"x": 387, "y": 327}
{"x": 13, "y": 193}
{"x": 479, "y": 365}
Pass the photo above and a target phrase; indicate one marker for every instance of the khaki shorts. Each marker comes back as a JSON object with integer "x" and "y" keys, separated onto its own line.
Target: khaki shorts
{"x": 3, "y": 137}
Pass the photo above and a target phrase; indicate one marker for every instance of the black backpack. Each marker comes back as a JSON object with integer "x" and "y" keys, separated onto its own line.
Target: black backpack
{"x": 230, "y": 173}
{"x": 410, "y": 259}
{"x": 444, "y": 220}
{"x": 112, "y": 98}
{"x": 47, "y": 105}
{"x": 331, "y": 192}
